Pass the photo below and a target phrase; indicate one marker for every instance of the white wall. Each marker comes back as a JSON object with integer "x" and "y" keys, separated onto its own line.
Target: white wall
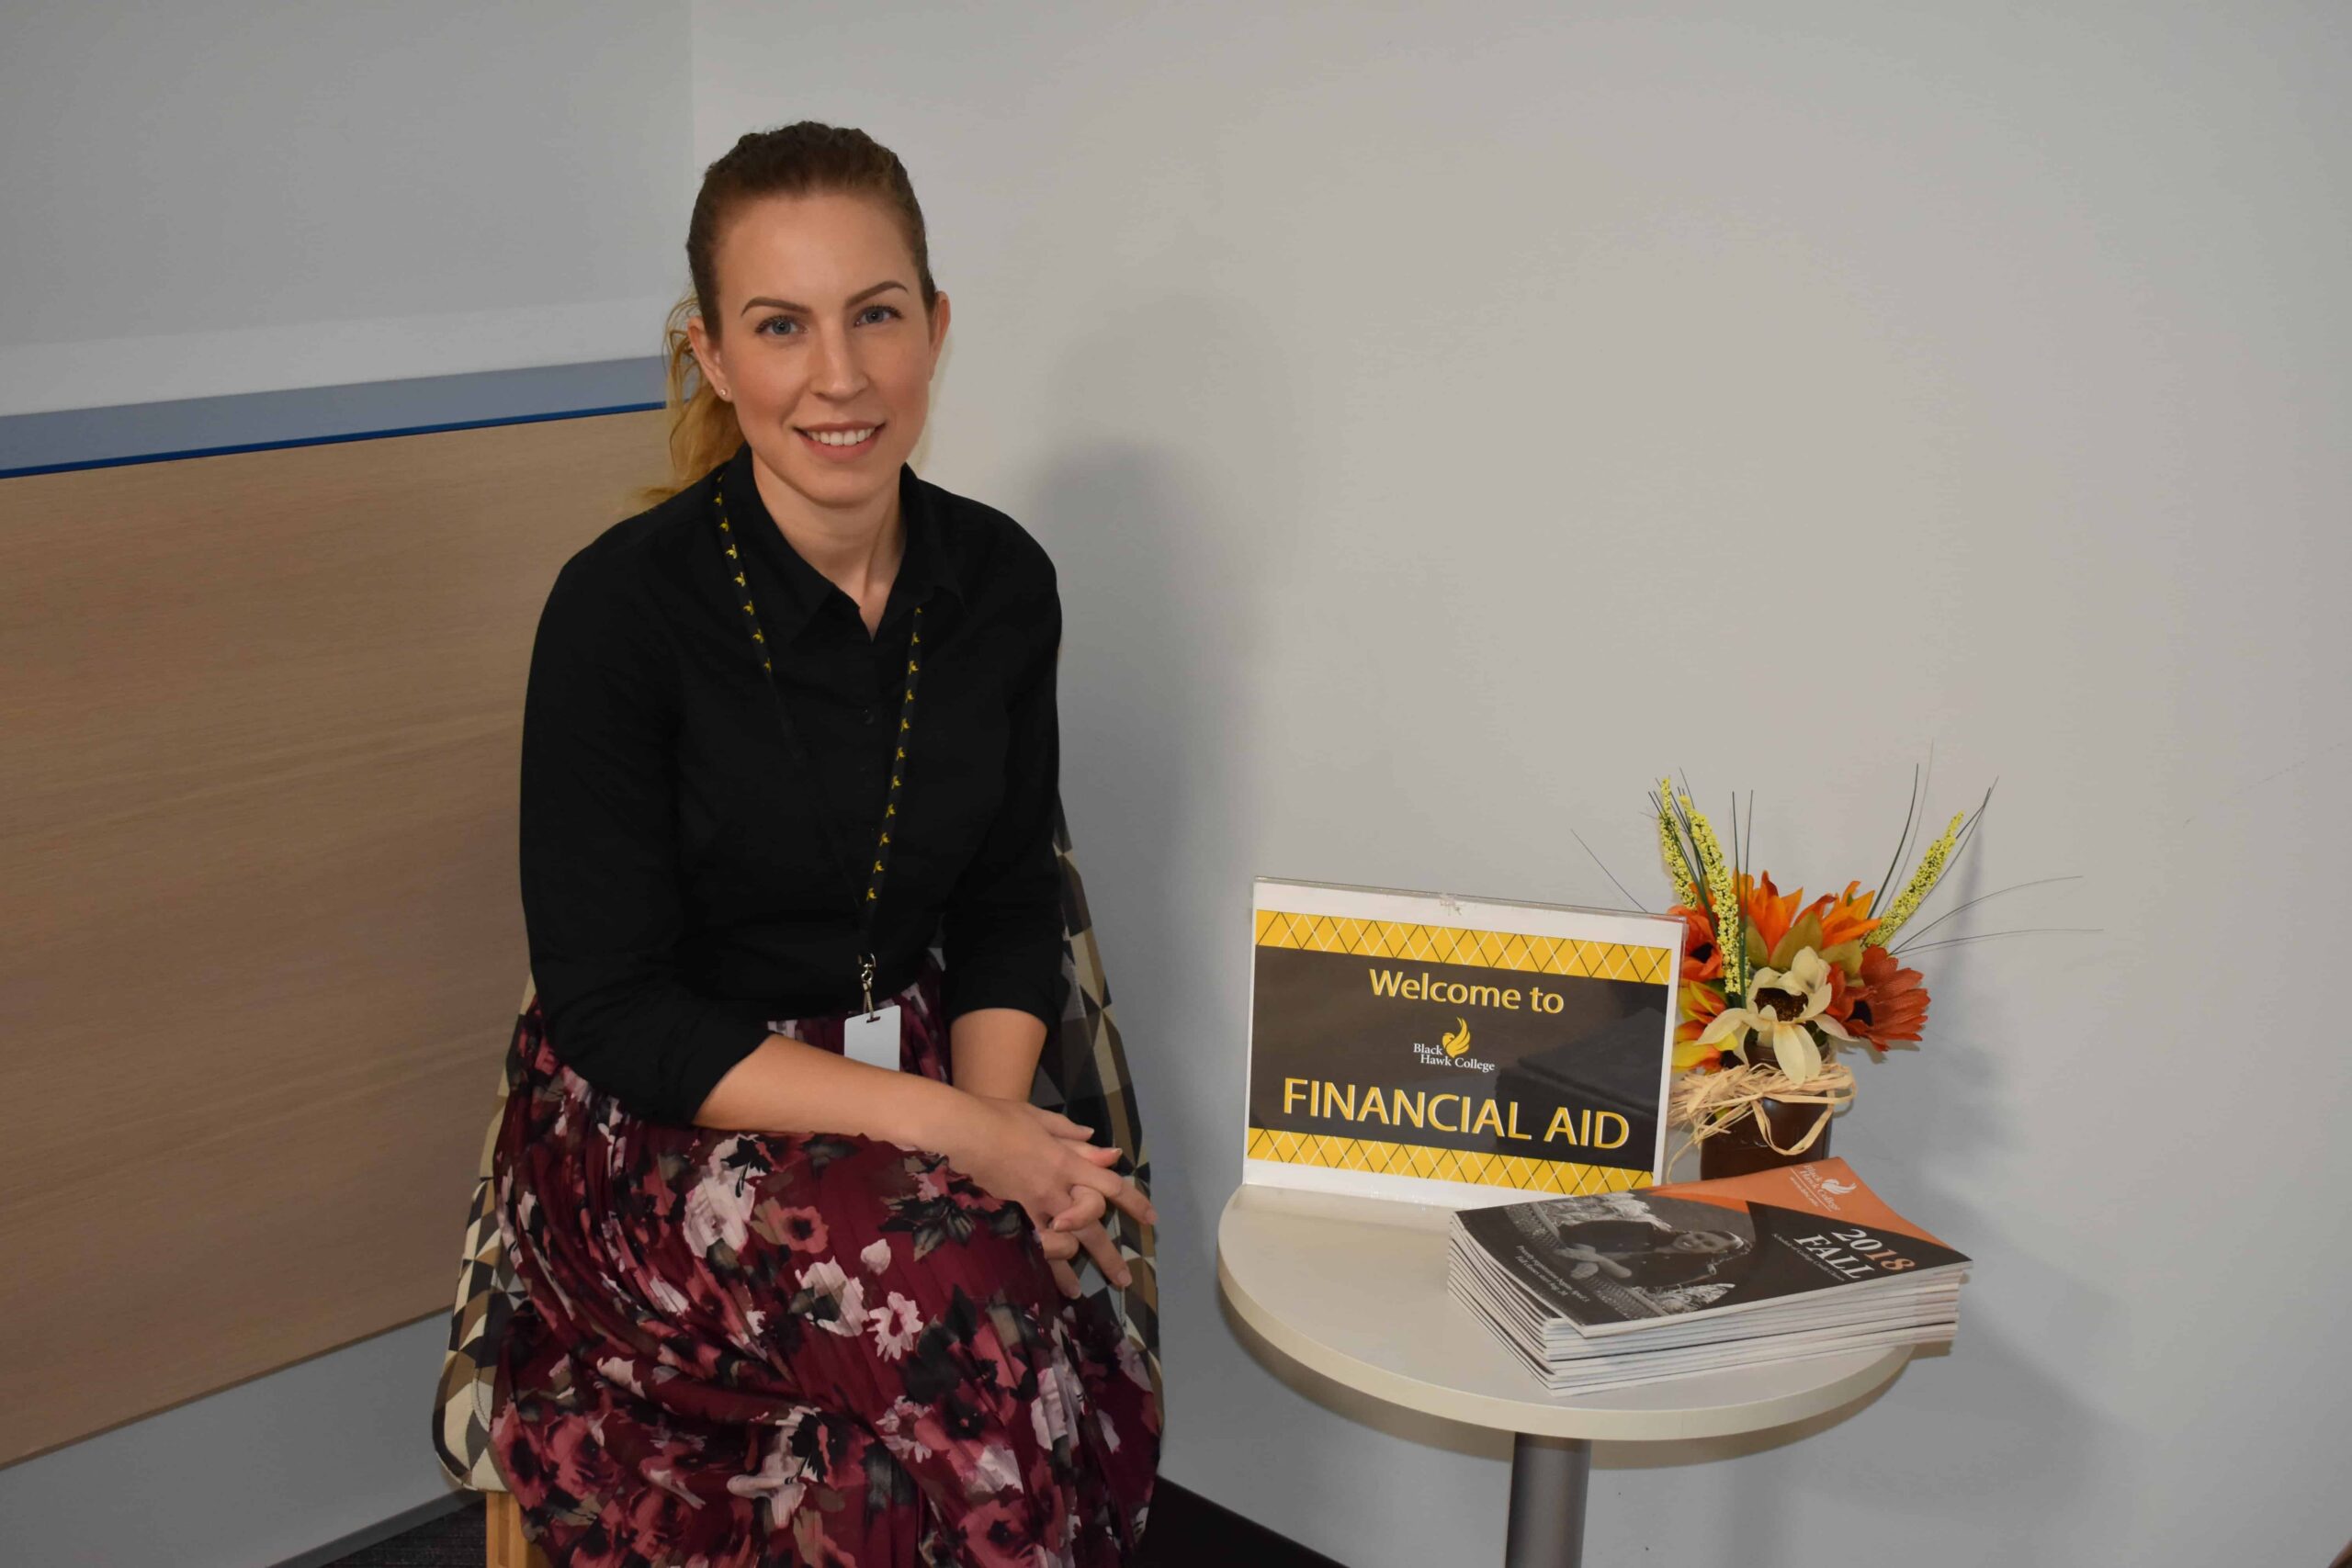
{"x": 1444, "y": 418}
{"x": 227, "y": 195}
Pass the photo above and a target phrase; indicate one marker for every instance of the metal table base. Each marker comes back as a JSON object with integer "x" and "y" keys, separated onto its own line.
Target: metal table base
{"x": 1548, "y": 1479}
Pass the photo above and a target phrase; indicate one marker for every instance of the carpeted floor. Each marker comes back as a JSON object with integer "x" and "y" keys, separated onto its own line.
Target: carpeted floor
{"x": 454, "y": 1540}
{"x": 1185, "y": 1529}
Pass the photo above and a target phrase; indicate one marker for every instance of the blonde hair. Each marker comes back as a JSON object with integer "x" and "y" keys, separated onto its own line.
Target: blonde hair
{"x": 800, "y": 159}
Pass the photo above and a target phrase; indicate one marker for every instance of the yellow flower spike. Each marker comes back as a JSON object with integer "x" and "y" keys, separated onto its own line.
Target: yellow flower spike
{"x": 1722, "y": 898}
{"x": 1686, "y": 890}
{"x": 1923, "y": 881}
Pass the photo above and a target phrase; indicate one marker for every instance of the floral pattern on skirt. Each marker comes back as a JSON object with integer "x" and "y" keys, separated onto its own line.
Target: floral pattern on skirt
{"x": 744, "y": 1351}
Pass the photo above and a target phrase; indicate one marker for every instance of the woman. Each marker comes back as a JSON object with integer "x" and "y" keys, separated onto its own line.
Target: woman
{"x": 795, "y": 1245}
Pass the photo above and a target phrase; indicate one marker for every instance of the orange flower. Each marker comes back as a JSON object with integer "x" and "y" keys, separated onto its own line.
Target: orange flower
{"x": 1702, "y": 959}
{"x": 1845, "y": 917}
{"x": 1699, "y": 1004}
{"x": 1780, "y": 925}
{"x": 1769, "y": 912}
{"x": 1887, "y": 1005}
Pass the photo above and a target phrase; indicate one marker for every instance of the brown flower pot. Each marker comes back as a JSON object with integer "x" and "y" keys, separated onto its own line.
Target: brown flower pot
{"x": 1742, "y": 1151}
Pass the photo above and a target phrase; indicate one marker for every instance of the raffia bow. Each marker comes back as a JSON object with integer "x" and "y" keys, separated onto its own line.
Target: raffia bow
{"x": 1710, "y": 1103}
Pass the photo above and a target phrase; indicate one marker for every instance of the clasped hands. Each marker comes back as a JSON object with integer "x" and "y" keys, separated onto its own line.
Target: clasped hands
{"x": 1592, "y": 1261}
{"x": 1044, "y": 1161}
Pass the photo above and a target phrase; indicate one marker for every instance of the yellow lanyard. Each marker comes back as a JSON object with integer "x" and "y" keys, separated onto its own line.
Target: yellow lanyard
{"x": 865, "y": 906}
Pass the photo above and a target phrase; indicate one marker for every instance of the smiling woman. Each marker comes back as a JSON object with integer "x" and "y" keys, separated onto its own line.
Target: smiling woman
{"x": 797, "y": 1247}
{"x": 830, "y": 383}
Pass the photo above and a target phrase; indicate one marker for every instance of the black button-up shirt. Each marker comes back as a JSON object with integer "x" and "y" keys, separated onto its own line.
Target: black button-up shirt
{"x": 678, "y": 887}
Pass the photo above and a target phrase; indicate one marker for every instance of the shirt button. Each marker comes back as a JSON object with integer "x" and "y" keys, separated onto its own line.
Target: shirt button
{"x": 869, "y": 715}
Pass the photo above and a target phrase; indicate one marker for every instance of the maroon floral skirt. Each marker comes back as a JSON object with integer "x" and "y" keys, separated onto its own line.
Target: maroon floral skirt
{"x": 744, "y": 1351}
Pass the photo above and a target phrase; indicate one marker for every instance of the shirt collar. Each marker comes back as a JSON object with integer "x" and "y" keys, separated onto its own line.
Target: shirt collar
{"x": 930, "y": 562}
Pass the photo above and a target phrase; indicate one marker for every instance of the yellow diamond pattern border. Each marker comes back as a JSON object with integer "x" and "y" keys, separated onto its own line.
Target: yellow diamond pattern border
{"x": 1515, "y": 1171}
{"x": 1451, "y": 945}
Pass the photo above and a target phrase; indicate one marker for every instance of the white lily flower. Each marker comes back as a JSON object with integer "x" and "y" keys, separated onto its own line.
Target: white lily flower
{"x": 1797, "y": 995}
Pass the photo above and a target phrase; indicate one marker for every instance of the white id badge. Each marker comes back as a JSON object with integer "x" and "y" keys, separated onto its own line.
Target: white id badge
{"x": 874, "y": 1041}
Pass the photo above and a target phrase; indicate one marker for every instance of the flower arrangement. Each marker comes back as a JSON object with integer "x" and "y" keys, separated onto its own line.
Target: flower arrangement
{"x": 1773, "y": 986}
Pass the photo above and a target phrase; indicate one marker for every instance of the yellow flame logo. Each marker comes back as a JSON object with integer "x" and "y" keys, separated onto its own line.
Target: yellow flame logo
{"x": 1459, "y": 1040}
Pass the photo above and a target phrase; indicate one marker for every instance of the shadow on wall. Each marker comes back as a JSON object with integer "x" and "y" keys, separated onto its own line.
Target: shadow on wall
{"x": 2034, "y": 1446}
{"x": 1175, "y": 465}
{"x": 2002, "y": 1400}
{"x": 2028, "y": 1441}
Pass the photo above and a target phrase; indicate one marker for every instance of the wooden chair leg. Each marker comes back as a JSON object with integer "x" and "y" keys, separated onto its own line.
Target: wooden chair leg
{"x": 502, "y": 1533}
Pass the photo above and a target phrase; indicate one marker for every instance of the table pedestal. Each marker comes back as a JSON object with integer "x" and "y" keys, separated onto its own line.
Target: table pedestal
{"x": 1548, "y": 1476}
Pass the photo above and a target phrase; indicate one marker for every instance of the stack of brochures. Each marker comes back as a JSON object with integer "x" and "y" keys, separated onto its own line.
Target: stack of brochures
{"x": 1624, "y": 1288}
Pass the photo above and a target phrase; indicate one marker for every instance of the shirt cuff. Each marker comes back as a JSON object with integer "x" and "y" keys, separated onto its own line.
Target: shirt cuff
{"x": 722, "y": 1037}
{"x": 1027, "y": 979}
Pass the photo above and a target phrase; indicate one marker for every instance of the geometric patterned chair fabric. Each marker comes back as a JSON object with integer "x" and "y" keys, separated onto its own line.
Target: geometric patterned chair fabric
{"x": 1081, "y": 1072}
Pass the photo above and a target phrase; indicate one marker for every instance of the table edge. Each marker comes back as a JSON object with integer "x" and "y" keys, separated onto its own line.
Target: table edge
{"x": 1541, "y": 1418}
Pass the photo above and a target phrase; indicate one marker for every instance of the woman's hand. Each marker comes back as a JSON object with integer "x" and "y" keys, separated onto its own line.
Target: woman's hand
{"x": 1082, "y": 1221}
{"x": 1594, "y": 1262}
{"x": 1079, "y": 1225}
{"x": 1061, "y": 1246}
{"x": 1042, "y": 1160}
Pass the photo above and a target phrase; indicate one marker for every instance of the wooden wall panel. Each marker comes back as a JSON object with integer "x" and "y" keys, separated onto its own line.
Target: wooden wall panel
{"x": 260, "y": 939}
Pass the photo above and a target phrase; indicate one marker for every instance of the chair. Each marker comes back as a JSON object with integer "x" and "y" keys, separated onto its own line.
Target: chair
{"x": 1081, "y": 1072}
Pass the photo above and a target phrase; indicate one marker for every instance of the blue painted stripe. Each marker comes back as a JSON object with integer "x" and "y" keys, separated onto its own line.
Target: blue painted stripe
{"x": 316, "y": 440}
{"x": 312, "y": 416}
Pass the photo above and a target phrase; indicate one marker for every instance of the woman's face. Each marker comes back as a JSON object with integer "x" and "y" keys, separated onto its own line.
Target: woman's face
{"x": 823, "y": 347}
{"x": 1703, "y": 1241}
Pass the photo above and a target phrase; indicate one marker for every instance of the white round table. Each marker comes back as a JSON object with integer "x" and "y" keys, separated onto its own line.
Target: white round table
{"x": 1355, "y": 1287}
